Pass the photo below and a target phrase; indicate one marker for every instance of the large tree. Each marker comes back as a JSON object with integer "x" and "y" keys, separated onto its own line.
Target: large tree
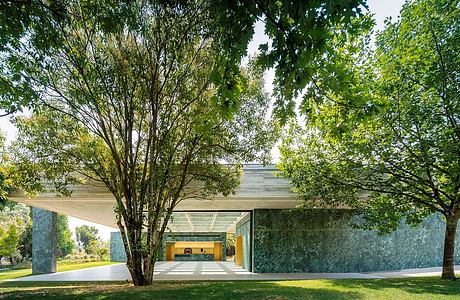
{"x": 139, "y": 104}
{"x": 391, "y": 148}
{"x": 298, "y": 32}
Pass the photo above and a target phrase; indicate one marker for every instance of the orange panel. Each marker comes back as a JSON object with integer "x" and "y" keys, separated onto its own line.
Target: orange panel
{"x": 239, "y": 251}
{"x": 217, "y": 251}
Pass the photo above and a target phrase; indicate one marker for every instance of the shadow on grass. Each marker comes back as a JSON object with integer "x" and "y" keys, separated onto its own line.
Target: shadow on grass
{"x": 421, "y": 285}
{"x": 166, "y": 290}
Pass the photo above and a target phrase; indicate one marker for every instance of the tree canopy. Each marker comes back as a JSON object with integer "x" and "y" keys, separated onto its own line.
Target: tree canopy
{"x": 140, "y": 106}
{"x": 395, "y": 153}
{"x": 298, "y": 33}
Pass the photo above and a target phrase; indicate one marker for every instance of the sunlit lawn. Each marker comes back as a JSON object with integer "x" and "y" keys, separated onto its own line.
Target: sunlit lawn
{"x": 407, "y": 288}
{"x": 61, "y": 267}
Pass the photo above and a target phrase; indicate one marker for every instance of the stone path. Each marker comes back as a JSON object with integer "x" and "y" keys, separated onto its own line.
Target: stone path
{"x": 213, "y": 271}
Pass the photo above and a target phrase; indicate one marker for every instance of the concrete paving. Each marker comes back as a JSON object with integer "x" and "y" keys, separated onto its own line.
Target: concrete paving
{"x": 421, "y": 272}
{"x": 213, "y": 271}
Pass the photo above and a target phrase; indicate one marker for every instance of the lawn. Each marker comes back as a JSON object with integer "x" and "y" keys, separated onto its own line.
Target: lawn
{"x": 61, "y": 267}
{"x": 406, "y": 288}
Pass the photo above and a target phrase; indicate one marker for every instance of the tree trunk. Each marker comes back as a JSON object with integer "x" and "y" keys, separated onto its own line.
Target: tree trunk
{"x": 149, "y": 266}
{"x": 448, "y": 271}
{"x": 141, "y": 269}
{"x": 135, "y": 269}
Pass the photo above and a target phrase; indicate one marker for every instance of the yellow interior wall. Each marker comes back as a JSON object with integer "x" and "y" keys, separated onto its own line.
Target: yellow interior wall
{"x": 239, "y": 251}
{"x": 170, "y": 251}
{"x": 217, "y": 251}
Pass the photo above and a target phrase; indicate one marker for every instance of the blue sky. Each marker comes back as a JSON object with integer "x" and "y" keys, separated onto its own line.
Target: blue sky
{"x": 381, "y": 10}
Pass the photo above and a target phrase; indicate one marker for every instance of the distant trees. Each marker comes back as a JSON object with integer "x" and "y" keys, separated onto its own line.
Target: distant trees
{"x": 14, "y": 222}
{"x": 16, "y": 232}
{"x": 86, "y": 235}
{"x": 65, "y": 242}
{"x": 88, "y": 240}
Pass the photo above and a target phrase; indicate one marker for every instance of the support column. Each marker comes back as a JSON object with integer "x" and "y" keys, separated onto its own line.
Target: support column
{"x": 43, "y": 241}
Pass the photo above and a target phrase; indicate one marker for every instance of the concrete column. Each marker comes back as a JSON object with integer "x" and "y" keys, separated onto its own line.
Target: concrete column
{"x": 43, "y": 241}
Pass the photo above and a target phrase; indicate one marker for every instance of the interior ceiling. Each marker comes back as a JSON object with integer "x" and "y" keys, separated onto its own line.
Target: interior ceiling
{"x": 205, "y": 221}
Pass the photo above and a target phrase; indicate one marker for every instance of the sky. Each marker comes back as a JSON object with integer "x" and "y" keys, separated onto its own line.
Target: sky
{"x": 381, "y": 10}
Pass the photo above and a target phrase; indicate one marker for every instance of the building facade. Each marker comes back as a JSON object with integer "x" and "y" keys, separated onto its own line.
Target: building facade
{"x": 270, "y": 233}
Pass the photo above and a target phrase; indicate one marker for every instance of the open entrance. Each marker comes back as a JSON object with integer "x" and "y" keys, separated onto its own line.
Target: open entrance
{"x": 193, "y": 251}
{"x": 209, "y": 236}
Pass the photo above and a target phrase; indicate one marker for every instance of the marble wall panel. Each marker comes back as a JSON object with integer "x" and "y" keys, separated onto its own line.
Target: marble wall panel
{"x": 326, "y": 241}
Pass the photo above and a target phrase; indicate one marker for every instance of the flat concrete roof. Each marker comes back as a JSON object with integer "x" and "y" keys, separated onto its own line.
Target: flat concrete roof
{"x": 259, "y": 188}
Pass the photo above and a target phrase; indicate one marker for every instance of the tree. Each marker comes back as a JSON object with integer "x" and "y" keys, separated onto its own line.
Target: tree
{"x": 14, "y": 221}
{"x": 400, "y": 148}
{"x": 298, "y": 32}
{"x": 25, "y": 243}
{"x": 5, "y": 181}
{"x": 64, "y": 240}
{"x": 9, "y": 242}
{"x": 32, "y": 19}
{"x": 86, "y": 235}
{"x": 99, "y": 248}
{"x": 136, "y": 105}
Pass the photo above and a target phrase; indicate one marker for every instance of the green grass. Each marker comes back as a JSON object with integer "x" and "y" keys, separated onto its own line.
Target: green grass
{"x": 400, "y": 289}
{"x": 61, "y": 267}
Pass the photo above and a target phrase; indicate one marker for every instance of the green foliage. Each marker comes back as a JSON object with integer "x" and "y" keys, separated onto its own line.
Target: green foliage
{"x": 34, "y": 20}
{"x": 8, "y": 240}
{"x": 5, "y": 181}
{"x": 298, "y": 33}
{"x": 25, "y": 243}
{"x": 103, "y": 253}
{"x": 397, "y": 152}
{"x": 99, "y": 248}
{"x": 64, "y": 240}
{"x": 78, "y": 256}
{"x": 230, "y": 241}
{"x": 14, "y": 221}
{"x": 86, "y": 237}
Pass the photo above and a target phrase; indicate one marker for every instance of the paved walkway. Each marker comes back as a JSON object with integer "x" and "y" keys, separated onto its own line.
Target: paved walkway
{"x": 212, "y": 271}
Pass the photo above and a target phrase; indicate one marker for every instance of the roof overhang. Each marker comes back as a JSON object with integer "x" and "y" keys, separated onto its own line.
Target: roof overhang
{"x": 259, "y": 188}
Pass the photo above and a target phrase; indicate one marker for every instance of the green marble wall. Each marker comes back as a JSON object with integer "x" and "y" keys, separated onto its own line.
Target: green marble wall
{"x": 194, "y": 257}
{"x": 325, "y": 241}
{"x": 243, "y": 228}
{"x": 43, "y": 241}
{"x": 194, "y": 237}
{"x": 117, "y": 250}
